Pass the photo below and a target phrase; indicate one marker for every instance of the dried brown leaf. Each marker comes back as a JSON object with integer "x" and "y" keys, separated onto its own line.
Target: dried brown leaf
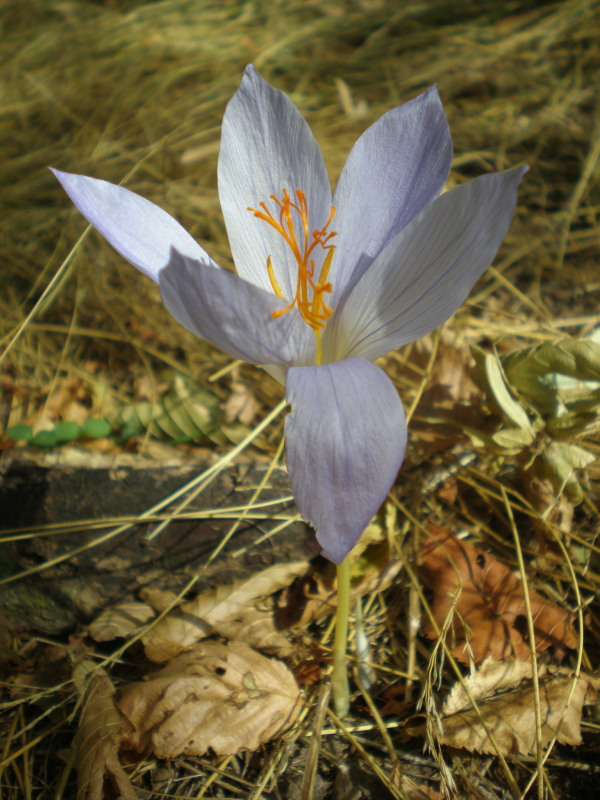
{"x": 159, "y": 599}
{"x": 241, "y": 404}
{"x": 222, "y": 610}
{"x": 314, "y": 596}
{"x": 120, "y": 620}
{"x": 68, "y": 400}
{"x": 451, "y": 397}
{"x": 552, "y": 506}
{"x": 101, "y": 730}
{"x": 420, "y": 791}
{"x": 309, "y": 598}
{"x": 410, "y": 789}
{"x": 486, "y": 600}
{"x": 257, "y": 627}
{"x": 451, "y": 384}
{"x": 222, "y": 697}
{"x": 503, "y": 692}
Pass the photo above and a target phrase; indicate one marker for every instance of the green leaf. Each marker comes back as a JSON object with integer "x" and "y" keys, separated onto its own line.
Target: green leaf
{"x": 67, "y": 432}
{"x": 202, "y": 406}
{"x": 129, "y": 430}
{"x": 20, "y": 433}
{"x": 512, "y": 438}
{"x": 491, "y": 375}
{"x": 178, "y": 415}
{"x": 186, "y": 412}
{"x": 574, "y": 423}
{"x": 535, "y": 371}
{"x": 44, "y": 439}
{"x": 562, "y": 460}
{"x": 96, "y": 428}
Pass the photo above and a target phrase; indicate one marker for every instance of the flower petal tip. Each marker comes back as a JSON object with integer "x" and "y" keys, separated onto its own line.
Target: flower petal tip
{"x": 345, "y": 442}
{"x": 138, "y": 229}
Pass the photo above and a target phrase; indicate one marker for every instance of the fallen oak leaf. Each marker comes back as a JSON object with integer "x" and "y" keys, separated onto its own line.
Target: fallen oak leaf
{"x": 314, "y": 595}
{"x": 222, "y": 610}
{"x": 241, "y": 404}
{"x": 503, "y": 692}
{"x": 120, "y": 620}
{"x": 452, "y": 398}
{"x": 254, "y": 625}
{"x": 257, "y": 627}
{"x": 420, "y": 791}
{"x": 222, "y": 697}
{"x": 487, "y": 603}
{"x": 97, "y": 742}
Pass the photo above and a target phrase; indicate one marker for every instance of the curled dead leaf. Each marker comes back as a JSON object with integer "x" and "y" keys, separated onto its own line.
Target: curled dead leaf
{"x": 314, "y": 595}
{"x": 241, "y": 404}
{"x": 101, "y": 730}
{"x": 229, "y": 610}
{"x": 219, "y": 697}
{"x": 451, "y": 399}
{"x": 503, "y": 692}
{"x": 416, "y": 791}
{"x": 120, "y": 620}
{"x": 487, "y": 603}
{"x": 552, "y": 506}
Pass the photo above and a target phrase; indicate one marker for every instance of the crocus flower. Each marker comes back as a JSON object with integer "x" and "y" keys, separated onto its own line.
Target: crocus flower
{"x": 324, "y": 286}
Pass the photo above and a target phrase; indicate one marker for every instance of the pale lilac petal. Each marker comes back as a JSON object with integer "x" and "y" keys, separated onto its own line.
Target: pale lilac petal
{"x": 397, "y": 166}
{"x": 139, "y": 230}
{"x": 427, "y": 271}
{"x": 266, "y": 147}
{"x": 345, "y": 441}
{"x": 234, "y": 315}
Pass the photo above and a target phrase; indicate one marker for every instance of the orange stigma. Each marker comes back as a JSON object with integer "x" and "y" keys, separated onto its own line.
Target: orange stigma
{"x": 308, "y": 298}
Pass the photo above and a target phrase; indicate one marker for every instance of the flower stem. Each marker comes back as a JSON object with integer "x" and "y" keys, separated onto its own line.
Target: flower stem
{"x": 339, "y": 677}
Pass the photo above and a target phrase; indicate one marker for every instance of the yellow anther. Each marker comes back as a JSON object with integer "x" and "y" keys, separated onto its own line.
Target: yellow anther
{"x": 308, "y": 298}
{"x": 273, "y": 279}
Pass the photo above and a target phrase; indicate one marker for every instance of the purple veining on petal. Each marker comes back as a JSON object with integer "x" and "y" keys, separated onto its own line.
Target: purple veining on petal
{"x": 425, "y": 274}
{"x": 139, "y": 230}
{"x": 345, "y": 441}
{"x": 396, "y": 167}
{"x": 234, "y": 315}
{"x": 266, "y": 147}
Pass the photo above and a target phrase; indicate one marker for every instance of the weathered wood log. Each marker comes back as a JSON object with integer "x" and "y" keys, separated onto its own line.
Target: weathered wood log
{"x": 102, "y": 564}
